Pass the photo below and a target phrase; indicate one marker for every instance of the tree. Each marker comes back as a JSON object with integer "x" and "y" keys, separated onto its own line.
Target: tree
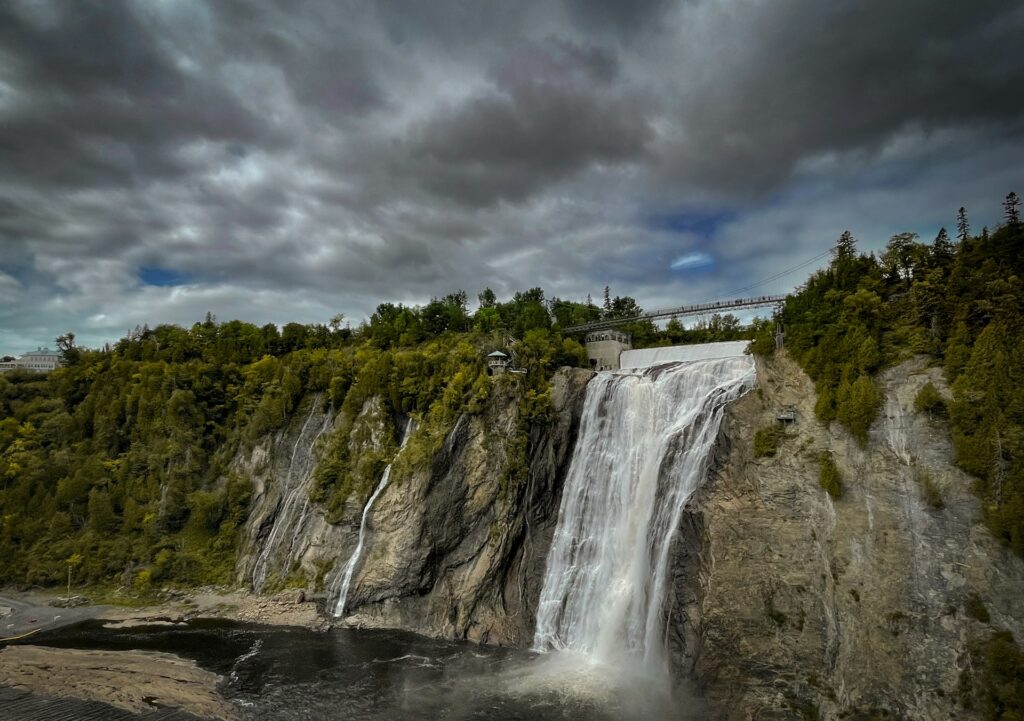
{"x": 846, "y": 246}
{"x": 68, "y": 351}
{"x": 487, "y": 298}
{"x": 607, "y": 299}
{"x": 336, "y": 320}
{"x": 942, "y": 247}
{"x": 963, "y": 229}
{"x": 1012, "y": 207}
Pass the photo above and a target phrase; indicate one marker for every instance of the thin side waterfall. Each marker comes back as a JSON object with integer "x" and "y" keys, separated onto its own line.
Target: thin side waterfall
{"x": 645, "y": 439}
{"x": 350, "y": 567}
{"x": 290, "y": 493}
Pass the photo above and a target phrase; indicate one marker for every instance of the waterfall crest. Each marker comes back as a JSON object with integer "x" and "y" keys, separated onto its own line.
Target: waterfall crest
{"x": 345, "y": 578}
{"x": 644, "y": 442}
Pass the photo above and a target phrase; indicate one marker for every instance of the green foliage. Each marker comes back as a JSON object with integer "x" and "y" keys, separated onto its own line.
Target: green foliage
{"x": 767, "y": 440}
{"x": 993, "y": 682}
{"x": 829, "y": 477}
{"x": 930, "y": 490}
{"x": 929, "y": 400}
{"x": 960, "y": 302}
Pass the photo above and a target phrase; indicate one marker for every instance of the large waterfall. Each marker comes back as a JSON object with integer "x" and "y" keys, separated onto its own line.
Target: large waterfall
{"x": 345, "y": 577}
{"x": 644, "y": 443}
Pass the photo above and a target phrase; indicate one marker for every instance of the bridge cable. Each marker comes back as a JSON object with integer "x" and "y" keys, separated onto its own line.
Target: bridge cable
{"x": 780, "y": 274}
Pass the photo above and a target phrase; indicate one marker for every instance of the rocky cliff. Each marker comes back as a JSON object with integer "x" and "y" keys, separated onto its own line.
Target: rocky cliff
{"x": 456, "y": 542}
{"x": 790, "y": 603}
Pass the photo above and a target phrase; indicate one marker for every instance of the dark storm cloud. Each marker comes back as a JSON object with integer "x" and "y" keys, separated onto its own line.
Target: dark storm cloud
{"x": 791, "y": 79}
{"x": 284, "y": 161}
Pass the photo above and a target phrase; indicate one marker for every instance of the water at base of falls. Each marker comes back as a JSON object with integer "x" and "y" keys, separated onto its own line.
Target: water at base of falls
{"x": 645, "y": 438}
{"x": 345, "y": 578}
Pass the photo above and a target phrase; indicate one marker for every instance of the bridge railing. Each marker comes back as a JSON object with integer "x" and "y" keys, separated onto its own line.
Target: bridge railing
{"x": 683, "y": 310}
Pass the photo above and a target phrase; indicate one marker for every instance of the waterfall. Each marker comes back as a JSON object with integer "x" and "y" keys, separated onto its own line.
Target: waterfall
{"x": 293, "y": 489}
{"x": 346, "y": 574}
{"x": 645, "y": 439}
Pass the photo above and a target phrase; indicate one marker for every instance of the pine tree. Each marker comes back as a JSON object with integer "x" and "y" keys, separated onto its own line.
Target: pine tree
{"x": 942, "y": 247}
{"x": 1012, "y": 207}
{"x": 607, "y": 299}
{"x": 963, "y": 229}
{"x": 846, "y": 246}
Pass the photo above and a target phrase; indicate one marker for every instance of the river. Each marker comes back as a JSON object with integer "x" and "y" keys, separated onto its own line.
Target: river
{"x": 284, "y": 673}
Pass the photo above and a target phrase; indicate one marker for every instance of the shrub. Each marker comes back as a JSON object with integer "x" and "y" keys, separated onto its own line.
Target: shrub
{"x": 930, "y": 490}
{"x": 829, "y": 477}
{"x": 928, "y": 400}
{"x": 767, "y": 440}
{"x": 857, "y": 407}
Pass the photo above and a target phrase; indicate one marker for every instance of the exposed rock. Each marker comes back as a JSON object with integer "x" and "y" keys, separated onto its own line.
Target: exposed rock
{"x": 789, "y": 602}
{"x": 457, "y": 549}
{"x": 132, "y": 680}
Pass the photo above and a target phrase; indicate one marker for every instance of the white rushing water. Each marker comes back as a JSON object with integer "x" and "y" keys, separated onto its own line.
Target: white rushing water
{"x": 647, "y": 357}
{"x": 644, "y": 443}
{"x": 293, "y": 492}
{"x": 346, "y": 574}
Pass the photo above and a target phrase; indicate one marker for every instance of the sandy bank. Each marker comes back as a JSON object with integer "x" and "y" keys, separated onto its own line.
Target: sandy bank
{"x": 132, "y": 680}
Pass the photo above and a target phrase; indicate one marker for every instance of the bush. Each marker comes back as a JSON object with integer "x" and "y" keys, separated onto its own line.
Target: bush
{"x": 930, "y": 490}
{"x": 829, "y": 477}
{"x": 929, "y": 400}
{"x": 994, "y": 681}
{"x": 767, "y": 440}
{"x": 856, "y": 407}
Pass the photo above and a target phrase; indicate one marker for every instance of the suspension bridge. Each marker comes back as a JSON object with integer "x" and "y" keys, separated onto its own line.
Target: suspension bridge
{"x": 682, "y": 311}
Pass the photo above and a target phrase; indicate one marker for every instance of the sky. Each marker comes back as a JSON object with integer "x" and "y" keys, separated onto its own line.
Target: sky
{"x": 286, "y": 161}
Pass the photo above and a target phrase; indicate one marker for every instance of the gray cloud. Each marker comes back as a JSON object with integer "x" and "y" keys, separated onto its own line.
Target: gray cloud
{"x": 286, "y": 161}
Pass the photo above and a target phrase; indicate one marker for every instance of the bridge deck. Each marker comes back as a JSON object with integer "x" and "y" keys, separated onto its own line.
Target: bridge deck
{"x": 681, "y": 311}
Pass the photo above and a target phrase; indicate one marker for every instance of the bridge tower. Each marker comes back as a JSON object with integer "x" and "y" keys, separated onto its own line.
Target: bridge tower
{"x": 604, "y": 348}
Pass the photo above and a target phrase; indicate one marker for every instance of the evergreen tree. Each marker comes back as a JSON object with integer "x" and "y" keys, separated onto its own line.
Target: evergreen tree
{"x": 846, "y": 246}
{"x": 963, "y": 229}
{"x": 607, "y": 299}
{"x": 1011, "y": 206}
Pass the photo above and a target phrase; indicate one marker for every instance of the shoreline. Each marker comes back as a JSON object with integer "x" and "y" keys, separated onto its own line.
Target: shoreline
{"x": 30, "y": 612}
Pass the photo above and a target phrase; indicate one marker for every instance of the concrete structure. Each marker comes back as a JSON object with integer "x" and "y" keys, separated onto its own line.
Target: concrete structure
{"x": 41, "y": 359}
{"x": 604, "y": 348}
{"x": 497, "y": 362}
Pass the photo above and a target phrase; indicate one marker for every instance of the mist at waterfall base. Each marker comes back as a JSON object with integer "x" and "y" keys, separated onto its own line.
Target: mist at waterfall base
{"x": 292, "y": 674}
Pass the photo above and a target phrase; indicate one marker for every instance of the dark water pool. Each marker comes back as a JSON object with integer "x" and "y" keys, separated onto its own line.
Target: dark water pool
{"x": 273, "y": 673}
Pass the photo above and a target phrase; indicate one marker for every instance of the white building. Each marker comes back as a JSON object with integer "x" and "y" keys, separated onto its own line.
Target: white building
{"x": 604, "y": 348}
{"x": 41, "y": 359}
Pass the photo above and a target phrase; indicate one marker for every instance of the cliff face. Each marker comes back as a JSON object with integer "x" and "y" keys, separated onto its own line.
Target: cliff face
{"x": 790, "y": 602}
{"x": 458, "y": 549}
{"x": 455, "y": 544}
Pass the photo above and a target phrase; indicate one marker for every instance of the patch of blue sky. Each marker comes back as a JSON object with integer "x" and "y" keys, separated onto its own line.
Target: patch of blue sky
{"x": 163, "y": 277}
{"x": 698, "y": 222}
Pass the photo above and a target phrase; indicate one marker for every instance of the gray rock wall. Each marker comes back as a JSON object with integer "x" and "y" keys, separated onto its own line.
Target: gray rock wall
{"x": 790, "y": 602}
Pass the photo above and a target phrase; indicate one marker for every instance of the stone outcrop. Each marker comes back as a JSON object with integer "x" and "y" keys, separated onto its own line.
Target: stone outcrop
{"x": 458, "y": 547}
{"x": 456, "y": 543}
{"x": 792, "y": 604}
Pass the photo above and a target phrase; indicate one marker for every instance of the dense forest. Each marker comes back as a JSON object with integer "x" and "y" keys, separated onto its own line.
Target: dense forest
{"x": 958, "y": 300}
